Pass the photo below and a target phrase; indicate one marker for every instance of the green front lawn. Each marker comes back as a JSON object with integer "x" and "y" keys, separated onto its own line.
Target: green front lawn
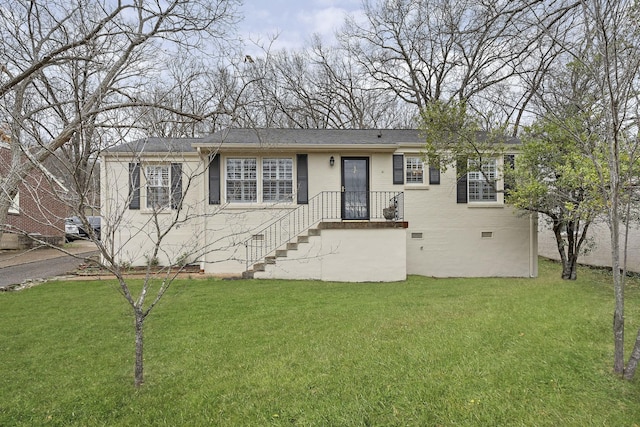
{"x": 251, "y": 353}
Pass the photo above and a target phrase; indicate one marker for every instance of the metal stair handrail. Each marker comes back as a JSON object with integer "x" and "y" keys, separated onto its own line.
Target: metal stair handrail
{"x": 324, "y": 206}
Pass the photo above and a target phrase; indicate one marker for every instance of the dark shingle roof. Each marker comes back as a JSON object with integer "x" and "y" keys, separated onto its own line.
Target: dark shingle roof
{"x": 156, "y": 145}
{"x": 313, "y": 136}
{"x": 280, "y": 138}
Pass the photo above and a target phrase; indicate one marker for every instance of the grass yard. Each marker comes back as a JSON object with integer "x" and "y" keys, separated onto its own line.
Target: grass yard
{"x": 424, "y": 352}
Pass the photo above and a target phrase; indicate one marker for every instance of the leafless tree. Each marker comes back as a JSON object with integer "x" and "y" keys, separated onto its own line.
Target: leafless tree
{"x": 175, "y": 211}
{"x": 602, "y": 55}
{"x": 152, "y": 233}
{"x": 489, "y": 55}
{"x": 318, "y": 87}
{"x": 614, "y": 64}
{"x": 358, "y": 101}
{"x": 153, "y": 222}
{"x": 79, "y": 76}
{"x": 211, "y": 94}
{"x": 69, "y": 68}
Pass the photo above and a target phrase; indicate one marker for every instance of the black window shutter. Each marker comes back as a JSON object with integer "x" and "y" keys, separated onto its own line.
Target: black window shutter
{"x": 509, "y": 164}
{"x": 214, "y": 180}
{"x": 434, "y": 175}
{"x": 303, "y": 179}
{"x": 134, "y": 185}
{"x": 176, "y": 185}
{"x": 461, "y": 186}
{"x": 398, "y": 169}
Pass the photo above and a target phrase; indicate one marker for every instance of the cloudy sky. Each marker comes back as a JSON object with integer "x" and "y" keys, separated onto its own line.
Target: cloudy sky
{"x": 294, "y": 20}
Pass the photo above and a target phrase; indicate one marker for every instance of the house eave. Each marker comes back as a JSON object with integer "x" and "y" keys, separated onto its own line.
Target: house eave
{"x": 307, "y": 148}
{"x": 148, "y": 155}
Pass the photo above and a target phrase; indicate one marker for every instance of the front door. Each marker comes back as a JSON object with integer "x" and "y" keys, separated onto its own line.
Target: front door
{"x": 355, "y": 188}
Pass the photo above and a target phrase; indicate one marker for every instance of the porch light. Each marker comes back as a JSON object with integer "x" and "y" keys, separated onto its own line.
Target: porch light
{"x": 332, "y": 161}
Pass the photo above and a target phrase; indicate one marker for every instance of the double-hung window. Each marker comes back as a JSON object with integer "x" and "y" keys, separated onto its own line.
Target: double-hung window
{"x": 158, "y": 186}
{"x": 482, "y": 179}
{"x": 161, "y": 187}
{"x": 270, "y": 177}
{"x": 414, "y": 170}
{"x": 242, "y": 180}
{"x": 277, "y": 179}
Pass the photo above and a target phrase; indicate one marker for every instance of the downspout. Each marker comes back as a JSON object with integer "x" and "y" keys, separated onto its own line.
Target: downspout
{"x": 533, "y": 245}
{"x": 205, "y": 206}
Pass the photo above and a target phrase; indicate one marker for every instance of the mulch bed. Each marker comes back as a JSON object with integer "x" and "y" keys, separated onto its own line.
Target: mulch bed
{"x": 93, "y": 270}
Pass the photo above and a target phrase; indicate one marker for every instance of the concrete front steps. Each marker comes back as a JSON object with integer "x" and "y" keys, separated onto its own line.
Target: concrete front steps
{"x": 284, "y": 252}
{"x": 347, "y": 251}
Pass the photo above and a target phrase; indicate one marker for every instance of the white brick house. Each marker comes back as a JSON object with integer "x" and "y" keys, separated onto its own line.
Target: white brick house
{"x": 309, "y": 203}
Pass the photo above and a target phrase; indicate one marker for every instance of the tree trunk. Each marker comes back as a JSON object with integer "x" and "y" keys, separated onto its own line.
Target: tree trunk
{"x": 618, "y": 314}
{"x": 632, "y": 364}
{"x": 566, "y": 269}
{"x": 5, "y": 203}
{"x": 570, "y": 267}
{"x": 570, "y": 270}
{"x": 568, "y": 263}
{"x": 139, "y": 366}
{"x": 618, "y": 284}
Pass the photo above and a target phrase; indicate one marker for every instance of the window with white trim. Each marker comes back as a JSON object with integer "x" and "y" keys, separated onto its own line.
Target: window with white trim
{"x": 248, "y": 179}
{"x": 277, "y": 180}
{"x": 242, "y": 180}
{"x": 158, "y": 186}
{"x": 14, "y": 208}
{"x": 482, "y": 179}
{"x": 414, "y": 170}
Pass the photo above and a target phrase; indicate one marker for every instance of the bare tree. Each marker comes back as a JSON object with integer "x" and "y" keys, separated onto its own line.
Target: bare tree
{"x": 166, "y": 235}
{"x": 358, "y": 102}
{"x": 165, "y": 214}
{"x": 316, "y": 87}
{"x": 614, "y": 64}
{"x": 70, "y": 67}
{"x": 153, "y": 222}
{"x": 77, "y": 77}
{"x": 602, "y": 52}
{"x": 200, "y": 98}
{"x": 429, "y": 50}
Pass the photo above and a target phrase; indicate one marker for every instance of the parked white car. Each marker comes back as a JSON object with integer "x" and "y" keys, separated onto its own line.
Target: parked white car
{"x": 71, "y": 230}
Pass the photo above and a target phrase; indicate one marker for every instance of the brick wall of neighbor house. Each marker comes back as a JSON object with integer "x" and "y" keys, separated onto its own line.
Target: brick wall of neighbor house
{"x": 40, "y": 211}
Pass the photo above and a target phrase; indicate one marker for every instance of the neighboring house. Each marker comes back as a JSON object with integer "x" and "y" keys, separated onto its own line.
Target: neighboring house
{"x": 311, "y": 204}
{"x": 63, "y": 168}
{"x": 599, "y": 254}
{"x": 37, "y": 209}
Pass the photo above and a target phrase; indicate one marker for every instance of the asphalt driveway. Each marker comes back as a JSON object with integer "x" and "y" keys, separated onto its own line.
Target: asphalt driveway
{"x": 19, "y": 267}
